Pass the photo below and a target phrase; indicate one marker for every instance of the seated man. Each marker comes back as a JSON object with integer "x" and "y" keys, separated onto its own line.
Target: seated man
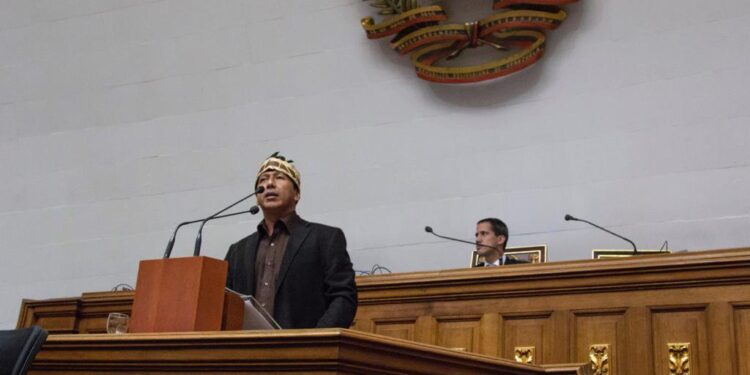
{"x": 491, "y": 238}
{"x": 299, "y": 271}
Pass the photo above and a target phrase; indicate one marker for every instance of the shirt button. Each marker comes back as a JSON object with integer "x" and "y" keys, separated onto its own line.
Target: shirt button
{"x": 268, "y": 264}
{"x": 272, "y": 244}
{"x": 266, "y": 284}
{"x": 263, "y": 304}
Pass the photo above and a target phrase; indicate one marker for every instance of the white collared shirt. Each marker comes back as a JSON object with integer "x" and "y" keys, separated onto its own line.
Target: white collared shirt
{"x": 499, "y": 262}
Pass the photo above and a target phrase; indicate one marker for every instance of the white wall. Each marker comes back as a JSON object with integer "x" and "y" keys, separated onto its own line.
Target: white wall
{"x": 118, "y": 119}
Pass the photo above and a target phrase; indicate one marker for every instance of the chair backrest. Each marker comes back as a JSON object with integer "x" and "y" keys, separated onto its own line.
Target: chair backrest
{"x": 527, "y": 254}
{"x": 18, "y": 348}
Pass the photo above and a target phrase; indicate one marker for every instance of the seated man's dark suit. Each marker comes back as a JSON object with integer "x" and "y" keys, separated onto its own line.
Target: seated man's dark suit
{"x": 507, "y": 260}
{"x": 315, "y": 286}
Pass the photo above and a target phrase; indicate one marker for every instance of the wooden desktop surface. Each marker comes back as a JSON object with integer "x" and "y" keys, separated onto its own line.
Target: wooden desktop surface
{"x": 325, "y": 351}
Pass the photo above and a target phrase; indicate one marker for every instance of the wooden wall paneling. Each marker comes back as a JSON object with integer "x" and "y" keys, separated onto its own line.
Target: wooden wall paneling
{"x": 426, "y": 330}
{"x": 85, "y": 314}
{"x": 680, "y": 324}
{"x": 459, "y": 332}
{"x": 597, "y": 327}
{"x": 399, "y": 328}
{"x": 559, "y": 351}
{"x": 489, "y": 332}
{"x": 741, "y": 315}
{"x": 524, "y": 330}
{"x": 363, "y": 324}
{"x": 92, "y": 325}
{"x": 96, "y": 307}
{"x": 639, "y": 339}
{"x": 720, "y": 338}
{"x": 56, "y": 316}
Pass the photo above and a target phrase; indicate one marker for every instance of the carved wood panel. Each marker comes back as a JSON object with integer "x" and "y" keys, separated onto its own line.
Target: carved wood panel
{"x": 525, "y": 330}
{"x": 459, "y": 332}
{"x": 398, "y": 328}
{"x": 599, "y": 327}
{"x": 678, "y": 325}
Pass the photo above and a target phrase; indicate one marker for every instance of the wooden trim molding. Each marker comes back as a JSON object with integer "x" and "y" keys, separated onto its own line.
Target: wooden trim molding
{"x": 325, "y": 350}
{"x": 85, "y": 314}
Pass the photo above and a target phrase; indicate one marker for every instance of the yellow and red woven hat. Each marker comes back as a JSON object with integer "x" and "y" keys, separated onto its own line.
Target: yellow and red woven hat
{"x": 277, "y": 162}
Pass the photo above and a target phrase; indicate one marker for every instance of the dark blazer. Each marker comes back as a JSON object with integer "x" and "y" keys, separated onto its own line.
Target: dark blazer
{"x": 315, "y": 287}
{"x": 508, "y": 260}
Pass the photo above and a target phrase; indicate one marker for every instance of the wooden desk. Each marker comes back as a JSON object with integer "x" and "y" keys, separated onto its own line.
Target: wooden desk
{"x": 632, "y": 309}
{"x": 330, "y": 351}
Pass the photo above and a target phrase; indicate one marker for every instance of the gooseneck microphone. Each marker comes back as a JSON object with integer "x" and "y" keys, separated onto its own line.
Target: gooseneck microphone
{"x": 197, "y": 250}
{"x": 571, "y": 218}
{"x": 428, "y": 229}
{"x": 253, "y": 210}
{"x": 199, "y": 238}
{"x": 170, "y": 244}
{"x": 258, "y": 190}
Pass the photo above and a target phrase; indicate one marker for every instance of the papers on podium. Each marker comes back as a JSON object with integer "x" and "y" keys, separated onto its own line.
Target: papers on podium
{"x": 255, "y": 316}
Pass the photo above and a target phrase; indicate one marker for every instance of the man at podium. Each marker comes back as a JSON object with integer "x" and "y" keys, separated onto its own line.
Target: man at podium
{"x": 300, "y": 272}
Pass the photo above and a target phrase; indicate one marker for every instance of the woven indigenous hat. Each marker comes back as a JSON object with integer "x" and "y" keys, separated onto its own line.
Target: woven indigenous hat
{"x": 279, "y": 163}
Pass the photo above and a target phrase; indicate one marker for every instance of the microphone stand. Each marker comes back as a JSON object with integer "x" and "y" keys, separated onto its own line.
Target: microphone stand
{"x": 197, "y": 249}
{"x": 429, "y": 230}
{"x": 171, "y": 240}
{"x": 170, "y": 244}
{"x": 569, "y": 218}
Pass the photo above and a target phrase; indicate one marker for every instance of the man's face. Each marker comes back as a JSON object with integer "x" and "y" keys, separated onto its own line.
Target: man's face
{"x": 486, "y": 236}
{"x": 280, "y": 195}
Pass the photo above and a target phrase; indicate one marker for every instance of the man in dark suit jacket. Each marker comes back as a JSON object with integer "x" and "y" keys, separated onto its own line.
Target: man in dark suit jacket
{"x": 491, "y": 237}
{"x": 299, "y": 271}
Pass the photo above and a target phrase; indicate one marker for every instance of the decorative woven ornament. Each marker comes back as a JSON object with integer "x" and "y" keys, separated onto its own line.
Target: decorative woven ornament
{"x": 515, "y": 30}
{"x": 277, "y": 162}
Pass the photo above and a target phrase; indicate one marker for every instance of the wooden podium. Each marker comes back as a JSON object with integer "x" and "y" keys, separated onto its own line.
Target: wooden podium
{"x": 179, "y": 295}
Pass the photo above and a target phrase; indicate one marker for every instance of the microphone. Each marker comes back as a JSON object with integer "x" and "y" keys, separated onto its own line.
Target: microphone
{"x": 571, "y": 218}
{"x": 198, "y": 239}
{"x": 428, "y": 229}
{"x": 170, "y": 244}
{"x": 252, "y": 211}
{"x": 258, "y": 190}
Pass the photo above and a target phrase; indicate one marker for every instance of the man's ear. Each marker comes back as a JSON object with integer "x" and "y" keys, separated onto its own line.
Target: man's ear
{"x": 505, "y": 240}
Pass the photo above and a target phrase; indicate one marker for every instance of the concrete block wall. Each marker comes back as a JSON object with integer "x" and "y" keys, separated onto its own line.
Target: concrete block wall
{"x": 119, "y": 119}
